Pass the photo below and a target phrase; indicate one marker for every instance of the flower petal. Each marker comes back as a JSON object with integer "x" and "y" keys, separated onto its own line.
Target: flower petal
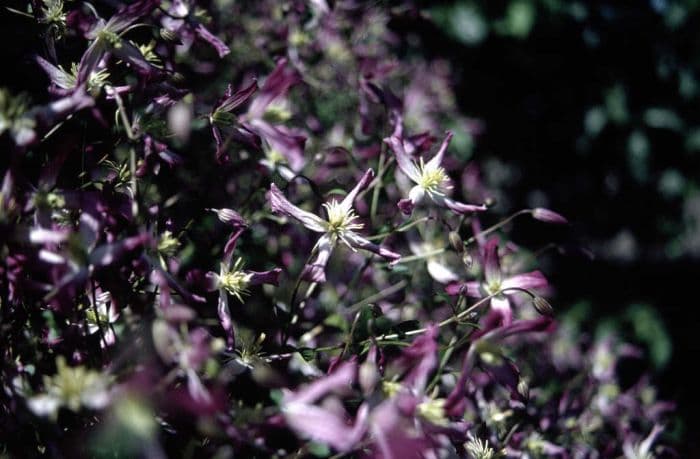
{"x": 456, "y": 206}
{"x": 531, "y": 280}
{"x": 402, "y": 159}
{"x": 315, "y": 271}
{"x": 225, "y": 318}
{"x": 264, "y": 277}
{"x": 280, "y": 205}
{"x": 436, "y": 160}
{"x": 441, "y": 272}
{"x": 212, "y": 39}
{"x": 359, "y": 242}
{"x": 364, "y": 182}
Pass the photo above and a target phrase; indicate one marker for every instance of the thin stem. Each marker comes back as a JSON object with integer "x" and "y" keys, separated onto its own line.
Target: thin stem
{"x": 498, "y": 225}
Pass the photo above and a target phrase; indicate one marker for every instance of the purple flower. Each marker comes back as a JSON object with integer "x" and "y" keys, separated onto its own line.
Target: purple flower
{"x": 339, "y": 226}
{"x": 321, "y": 423}
{"x": 495, "y": 281}
{"x": 234, "y": 280}
{"x": 430, "y": 178}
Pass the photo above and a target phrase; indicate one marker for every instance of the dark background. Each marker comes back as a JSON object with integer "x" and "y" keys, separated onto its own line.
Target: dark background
{"x": 591, "y": 108}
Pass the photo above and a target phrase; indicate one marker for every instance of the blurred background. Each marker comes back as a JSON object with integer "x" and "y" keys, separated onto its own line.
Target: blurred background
{"x": 591, "y": 108}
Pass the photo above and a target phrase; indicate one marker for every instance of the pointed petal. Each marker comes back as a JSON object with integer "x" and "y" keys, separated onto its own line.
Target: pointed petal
{"x": 531, "y": 280}
{"x": 364, "y": 182}
{"x": 315, "y": 271}
{"x": 456, "y": 206}
{"x": 326, "y": 426}
{"x": 280, "y": 205}
{"x": 402, "y": 159}
{"x": 57, "y": 76}
{"x": 232, "y": 101}
{"x": 231, "y": 246}
{"x": 359, "y": 242}
{"x": 225, "y": 318}
{"x": 491, "y": 261}
{"x": 436, "y": 160}
{"x": 264, "y": 277}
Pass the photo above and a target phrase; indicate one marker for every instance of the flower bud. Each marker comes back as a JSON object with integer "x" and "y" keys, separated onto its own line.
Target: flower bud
{"x": 368, "y": 374}
{"x": 548, "y": 216}
{"x": 456, "y": 242}
{"x": 468, "y": 260}
{"x": 229, "y": 216}
{"x": 542, "y": 306}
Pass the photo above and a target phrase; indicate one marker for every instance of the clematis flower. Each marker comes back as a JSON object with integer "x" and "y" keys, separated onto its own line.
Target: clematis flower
{"x": 234, "y": 280}
{"x": 102, "y": 320}
{"x": 339, "y": 226}
{"x": 430, "y": 178}
{"x": 73, "y": 388}
{"x": 496, "y": 280}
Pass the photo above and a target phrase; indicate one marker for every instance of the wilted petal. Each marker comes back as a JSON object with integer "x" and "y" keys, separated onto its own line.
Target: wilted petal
{"x": 364, "y": 182}
{"x": 527, "y": 281}
{"x": 280, "y": 205}
{"x": 436, "y": 160}
{"x": 315, "y": 271}
{"x": 359, "y": 242}
{"x": 402, "y": 159}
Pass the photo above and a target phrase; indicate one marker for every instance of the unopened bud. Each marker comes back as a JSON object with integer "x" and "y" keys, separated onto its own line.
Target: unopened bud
{"x": 368, "y": 374}
{"x": 524, "y": 389}
{"x": 548, "y": 216}
{"x": 456, "y": 242}
{"x": 468, "y": 260}
{"x": 230, "y": 217}
{"x": 542, "y": 306}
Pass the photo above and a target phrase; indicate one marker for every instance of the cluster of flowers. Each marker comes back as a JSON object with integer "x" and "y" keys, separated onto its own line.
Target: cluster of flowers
{"x": 185, "y": 143}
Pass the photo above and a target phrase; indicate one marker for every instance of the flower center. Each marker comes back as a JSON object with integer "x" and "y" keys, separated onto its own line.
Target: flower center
{"x": 235, "y": 281}
{"x": 339, "y": 219}
{"x": 433, "y": 180}
{"x": 433, "y": 410}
